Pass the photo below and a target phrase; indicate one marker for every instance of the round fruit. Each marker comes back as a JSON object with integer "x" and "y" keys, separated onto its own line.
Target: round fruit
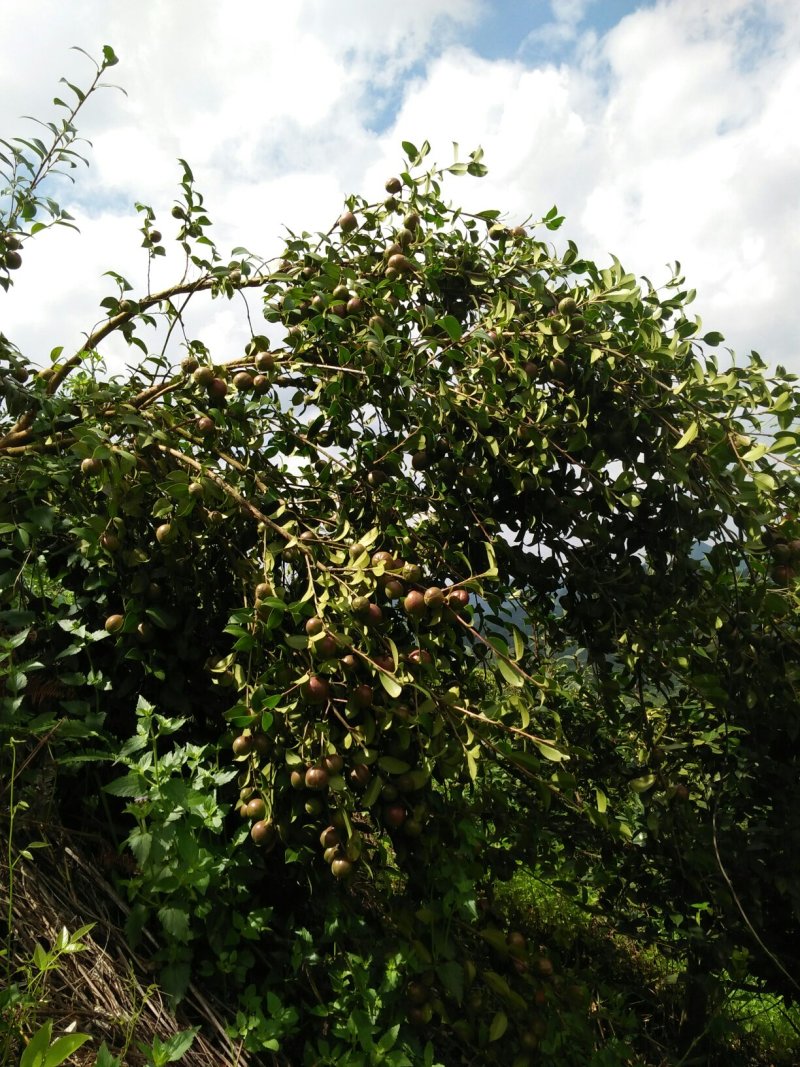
{"x": 91, "y": 466}
{"x": 567, "y": 306}
{"x": 13, "y": 260}
{"x": 420, "y": 656}
{"x": 314, "y": 626}
{"x": 543, "y": 967}
{"x": 110, "y": 541}
{"x": 360, "y": 606}
{"x": 155, "y": 236}
{"x": 412, "y": 572}
{"x": 516, "y": 941}
{"x": 374, "y": 615}
{"x": 146, "y": 632}
{"x": 326, "y": 647}
{"x": 393, "y": 185}
{"x": 417, "y": 993}
{"x": 341, "y": 867}
{"x": 356, "y": 550}
{"x": 263, "y": 832}
{"x": 333, "y": 763}
{"x": 317, "y": 690}
{"x": 377, "y": 478}
{"x": 434, "y": 597}
{"x": 330, "y": 837}
{"x": 497, "y": 232}
{"x": 363, "y": 696}
{"x": 297, "y": 780}
{"x": 205, "y": 425}
{"x": 355, "y": 305}
{"x": 256, "y": 808}
{"x": 400, "y": 263}
{"x": 385, "y": 558}
{"x": 218, "y": 388}
{"x": 316, "y": 778}
{"x": 414, "y": 603}
{"x": 242, "y": 745}
{"x": 263, "y": 590}
{"x": 243, "y": 381}
{"x": 394, "y": 815}
{"x": 203, "y": 376}
{"x": 457, "y": 598}
{"x": 165, "y": 533}
{"x": 420, "y": 1014}
{"x": 347, "y": 222}
{"x": 360, "y": 775}
{"x": 114, "y": 623}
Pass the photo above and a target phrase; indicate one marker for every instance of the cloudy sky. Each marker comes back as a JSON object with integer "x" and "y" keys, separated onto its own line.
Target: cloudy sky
{"x": 664, "y": 130}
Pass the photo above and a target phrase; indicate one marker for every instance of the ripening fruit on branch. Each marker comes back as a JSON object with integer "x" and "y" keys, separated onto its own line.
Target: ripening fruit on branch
{"x": 347, "y": 222}
{"x": 393, "y": 185}
{"x": 242, "y": 745}
{"x": 91, "y": 467}
{"x": 414, "y": 603}
{"x": 317, "y": 690}
{"x": 114, "y": 624}
{"x": 316, "y": 778}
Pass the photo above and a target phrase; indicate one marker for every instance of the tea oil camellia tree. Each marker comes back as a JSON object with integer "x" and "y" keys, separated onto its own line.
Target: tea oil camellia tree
{"x": 475, "y": 559}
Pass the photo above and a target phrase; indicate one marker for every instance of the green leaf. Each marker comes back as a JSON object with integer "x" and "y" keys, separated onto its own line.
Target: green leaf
{"x": 179, "y": 1044}
{"x": 551, "y": 753}
{"x": 688, "y": 437}
{"x": 391, "y": 685}
{"x": 63, "y": 1047}
{"x": 498, "y": 1025}
{"x": 451, "y": 325}
{"x": 176, "y": 922}
{"x": 34, "y": 1054}
{"x": 132, "y": 785}
{"x": 512, "y": 676}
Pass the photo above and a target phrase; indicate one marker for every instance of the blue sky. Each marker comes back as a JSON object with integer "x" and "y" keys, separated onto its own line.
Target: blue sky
{"x": 664, "y": 131}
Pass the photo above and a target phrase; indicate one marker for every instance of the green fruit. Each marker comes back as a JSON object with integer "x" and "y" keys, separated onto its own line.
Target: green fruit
{"x": 497, "y": 232}
{"x": 332, "y": 763}
{"x": 90, "y": 467}
{"x": 341, "y": 867}
{"x": 13, "y": 260}
{"x": 242, "y": 745}
{"x": 165, "y": 533}
{"x": 567, "y": 306}
{"x": 434, "y": 597}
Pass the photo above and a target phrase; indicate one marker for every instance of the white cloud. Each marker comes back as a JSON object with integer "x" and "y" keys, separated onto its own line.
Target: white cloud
{"x": 672, "y": 136}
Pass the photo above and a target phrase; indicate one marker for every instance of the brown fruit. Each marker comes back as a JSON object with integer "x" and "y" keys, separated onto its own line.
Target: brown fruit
{"x": 242, "y": 745}
{"x": 347, "y": 222}
{"x": 264, "y": 833}
{"x": 360, "y": 775}
{"x": 243, "y": 381}
{"x": 331, "y": 853}
{"x": 330, "y": 837}
{"x": 420, "y": 657}
{"x": 377, "y": 478}
{"x": 205, "y": 425}
{"x": 374, "y": 615}
{"x": 203, "y": 376}
{"x": 385, "y": 558}
{"x": 414, "y": 603}
{"x": 363, "y": 696}
{"x": 516, "y": 941}
{"x": 394, "y": 815}
{"x": 434, "y": 597}
{"x": 543, "y": 967}
{"x": 332, "y": 763}
{"x": 317, "y": 690}
{"x": 412, "y": 572}
{"x": 394, "y": 589}
{"x": 146, "y": 632}
{"x": 417, "y": 993}
{"x": 263, "y": 590}
{"x": 13, "y": 260}
{"x": 420, "y": 1014}
{"x": 316, "y": 778}
{"x": 114, "y": 623}
{"x": 218, "y": 388}
{"x": 457, "y": 598}
{"x": 393, "y": 185}
{"x": 256, "y": 808}
{"x": 400, "y": 263}
{"x": 326, "y": 647}
{"x": 314, "y": 626}
{"x": 266, "y": 361}
{"x": 110, "y": 541}
{"x": 355, "y": 305}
